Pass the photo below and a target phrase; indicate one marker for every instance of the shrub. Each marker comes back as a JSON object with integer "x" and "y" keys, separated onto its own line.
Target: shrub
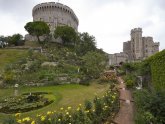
{"x": 88, "y": 105}
{"x": 150, "y": 107}
{"x": 130, "y": 80}
{"x": 158, "y": 70}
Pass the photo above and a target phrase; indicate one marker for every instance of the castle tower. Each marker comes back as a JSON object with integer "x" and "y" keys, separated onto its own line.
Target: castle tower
{"x": 55, "y": 14}
{"x": 137, "y": 44}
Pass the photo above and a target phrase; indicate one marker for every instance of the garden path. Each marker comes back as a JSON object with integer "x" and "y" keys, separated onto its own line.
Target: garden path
{"x": 126, "y": 112}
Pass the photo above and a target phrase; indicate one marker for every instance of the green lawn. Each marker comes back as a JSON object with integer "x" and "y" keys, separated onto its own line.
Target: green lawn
{"x": 65, "y": 95}
{"x": 10, "y": 55}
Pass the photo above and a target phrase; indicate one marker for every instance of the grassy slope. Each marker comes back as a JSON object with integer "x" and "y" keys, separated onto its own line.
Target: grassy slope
{"x": 10, "y": 55}
{"x": 66, "y": 95}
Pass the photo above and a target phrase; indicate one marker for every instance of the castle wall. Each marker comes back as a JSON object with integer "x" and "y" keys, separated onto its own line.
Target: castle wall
{"x": 117, "y": 58}
{"x": 55, "y": 14}
{"x": 138, "y": 48}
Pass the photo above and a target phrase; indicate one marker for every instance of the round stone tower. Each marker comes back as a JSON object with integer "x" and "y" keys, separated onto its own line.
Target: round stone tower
{"x": 55, "y": 14}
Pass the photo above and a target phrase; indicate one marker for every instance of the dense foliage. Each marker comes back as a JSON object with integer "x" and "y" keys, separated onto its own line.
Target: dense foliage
{"x": 150, "y": 101}
{"x": 157, "y": 65}
{"x": 93, "y": 64}
{"x": 15, "y": 39}
{"x": 85, "y": 43}
{"x": 150, "y": 107}
{"x": 66, "y": 33}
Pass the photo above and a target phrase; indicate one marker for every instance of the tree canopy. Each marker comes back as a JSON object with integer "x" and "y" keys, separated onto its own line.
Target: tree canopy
{"x": 85, "y": 43}
{"x": 94, "y": 63}
{"x": 15, "y": 39}
{"x": 66, "y": 33}
{"x": 37, "y": 28}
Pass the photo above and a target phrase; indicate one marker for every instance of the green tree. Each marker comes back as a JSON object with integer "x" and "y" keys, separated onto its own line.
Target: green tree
{"x": 15, "y": 39}
{"x": 85, "y": 43}
{"x": 129, "y": 67}
{"x": 93, "y": 64}
{"x": 66, "y": 33}
{"x": 37, "y": 28}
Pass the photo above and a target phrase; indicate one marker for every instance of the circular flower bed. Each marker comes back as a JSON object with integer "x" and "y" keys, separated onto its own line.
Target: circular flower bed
{"x": 25, "y": 102}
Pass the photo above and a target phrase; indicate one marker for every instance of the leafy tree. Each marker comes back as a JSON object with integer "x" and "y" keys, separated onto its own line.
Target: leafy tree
{"x": 85, "y": 44}
{"x": 93, "y": 64}
{"x": 66, "y": 33}
{"x": 15, "y": 39}
{"x": 129, "y": 67}
{"x": 37, "y": 28}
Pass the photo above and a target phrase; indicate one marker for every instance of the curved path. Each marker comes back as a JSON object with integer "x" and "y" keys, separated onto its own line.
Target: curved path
{"x": 125, "y": 114}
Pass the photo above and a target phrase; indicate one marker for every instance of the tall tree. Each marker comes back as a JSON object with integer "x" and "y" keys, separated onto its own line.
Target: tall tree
{"x": 15, "y": 39}
{"x": 66, "y": 33}
{"x": 37, "y": 28}
{"x": 85, "y": 44}
{"x": 94, "y": 63}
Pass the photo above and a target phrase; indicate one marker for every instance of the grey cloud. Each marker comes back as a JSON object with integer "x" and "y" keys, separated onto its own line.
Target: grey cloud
{"x": 160, "y": 3}
{"x": 19, "y": 10}
{"x": 15, "y": 6}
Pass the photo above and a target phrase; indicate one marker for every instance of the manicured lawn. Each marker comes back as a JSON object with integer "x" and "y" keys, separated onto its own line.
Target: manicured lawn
{"x": 65, "y": 95}
{"x": 10, "y": 55}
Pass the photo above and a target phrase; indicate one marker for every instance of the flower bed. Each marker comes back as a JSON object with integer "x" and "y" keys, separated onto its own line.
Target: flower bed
{"x": 25, "y": 102}
{"x": 94, "y": 112}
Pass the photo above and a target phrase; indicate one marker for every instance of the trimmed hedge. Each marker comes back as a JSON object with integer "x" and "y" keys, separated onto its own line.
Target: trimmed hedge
{"x": 157, "y": 64}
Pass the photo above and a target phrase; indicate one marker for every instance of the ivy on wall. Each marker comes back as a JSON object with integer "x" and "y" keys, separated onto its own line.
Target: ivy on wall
{"x": 157, "y": 64}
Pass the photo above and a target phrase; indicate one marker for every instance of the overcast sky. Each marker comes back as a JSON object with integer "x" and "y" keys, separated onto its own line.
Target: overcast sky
{"x": 110, "y": 21}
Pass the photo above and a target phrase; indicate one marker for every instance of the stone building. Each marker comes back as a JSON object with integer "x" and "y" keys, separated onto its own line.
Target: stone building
{"x": 136, "y": 49}
{"x": 117, "y": 58}
{"x": 139, "y": 48}
{"x": 54, "y": 14}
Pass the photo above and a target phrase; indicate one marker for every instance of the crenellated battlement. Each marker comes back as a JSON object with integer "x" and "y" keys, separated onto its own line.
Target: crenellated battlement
{"x": 136, "y": 30}
{"x": 50, "y": 6}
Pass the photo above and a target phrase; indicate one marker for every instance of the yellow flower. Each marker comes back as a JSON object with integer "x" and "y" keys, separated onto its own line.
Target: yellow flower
{"x": 93, "y": 110}
{"x": 70, "y": 116}
{"x": 87, "y": 111}
{"x": 42, "y": 118}
{"x": 80, "y": 105}
{"x": 67, "y": 113}
{"x": 17, "y": 114}
{"x": 59, "y": 119}
{"x": 49, "y": 112}
{"x": 69, "y": 108}
{"x": 26, "y": 119}
{"x": 33, "y": 122}
{"x": 61, "y": 108}
{"x": 113, "y": 97}
{"x": 78, "y": 109}
{"x": 19, "y": 121}
{"x": 106, "y": 106}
